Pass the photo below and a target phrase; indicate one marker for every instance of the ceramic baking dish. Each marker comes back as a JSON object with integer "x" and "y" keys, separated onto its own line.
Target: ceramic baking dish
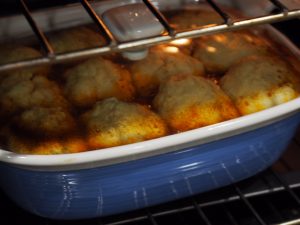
{"x": 118, "y": 179}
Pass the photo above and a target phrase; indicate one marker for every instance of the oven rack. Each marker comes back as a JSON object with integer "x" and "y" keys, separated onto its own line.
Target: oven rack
{"x": 170, "y": 34}
{"x": 271, "y": 197}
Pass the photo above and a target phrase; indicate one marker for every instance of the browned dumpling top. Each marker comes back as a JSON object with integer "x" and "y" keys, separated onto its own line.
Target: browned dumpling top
{"x": 101, "y": 102}
{"x": 97, "y": 79}
{"x": 46, "y": 121}
{"x": 162, "y": 62}
{"x": 257, "y": 83}
{"x": 188, "y": 102}
{"x": 23, "y": 91}
{"x": 112, "y": 122}
{"x": 25, "y": 145}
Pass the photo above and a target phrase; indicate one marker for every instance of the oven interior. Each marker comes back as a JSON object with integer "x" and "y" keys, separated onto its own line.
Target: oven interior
{"x": 271, "y": 197}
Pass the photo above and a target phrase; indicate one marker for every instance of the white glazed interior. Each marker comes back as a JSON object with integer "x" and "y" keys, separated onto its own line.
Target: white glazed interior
{"x": 162, "y": 145}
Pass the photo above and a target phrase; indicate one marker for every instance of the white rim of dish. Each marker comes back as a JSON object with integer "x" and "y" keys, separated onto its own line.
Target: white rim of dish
{"x": 170, "y": 143}
{"x": 129, "y": 152}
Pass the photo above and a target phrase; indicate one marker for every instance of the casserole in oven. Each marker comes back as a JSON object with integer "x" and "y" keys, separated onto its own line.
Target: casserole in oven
{"x": 175, "y": 123}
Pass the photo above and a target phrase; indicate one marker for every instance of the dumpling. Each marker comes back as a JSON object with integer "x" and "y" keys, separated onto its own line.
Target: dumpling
{"x": 75, "y": 39}
{"x": 24, "y": 92}
{"x": 257, "y": 83}
{"x": 25, "y": 145}
{"x": 162, "y": 62}
{"x": 11, "y": 54}
{"x": 112, "y": 122}
{"x": 189, "y": 102}
{"x": 219, "y": 52}
{"x": 46, "y": 121}
{"x": 97, "y": 79}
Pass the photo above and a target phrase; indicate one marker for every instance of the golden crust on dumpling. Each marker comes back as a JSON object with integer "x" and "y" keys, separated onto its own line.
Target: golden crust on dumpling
{"x": 189, "y": 102}
{"x": 112, "y": 122}
{"x": 26, "y": 144}
{"x": 219, "y": 52}
{"x": 257, "y": 83}
{"x": 98, "y": 103}
{"x": 97, "y": 79}
{"x": 46, "y": 122}
{"x": 20, "y": 92}
{"x": 23, "y": 145}
{"x": 75, "y": 39}
{"x": 162, "y": 62}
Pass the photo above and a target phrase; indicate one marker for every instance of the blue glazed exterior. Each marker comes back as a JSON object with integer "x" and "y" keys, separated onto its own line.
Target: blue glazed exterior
{"x": 132, "y": 185}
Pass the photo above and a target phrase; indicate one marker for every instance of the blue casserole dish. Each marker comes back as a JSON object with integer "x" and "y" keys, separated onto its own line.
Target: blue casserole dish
{"x": 105, "y": 190}
{"x": 119, "y": 179}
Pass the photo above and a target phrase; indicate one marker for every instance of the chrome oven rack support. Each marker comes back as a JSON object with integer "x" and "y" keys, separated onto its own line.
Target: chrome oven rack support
{"x": 113, "y": 46}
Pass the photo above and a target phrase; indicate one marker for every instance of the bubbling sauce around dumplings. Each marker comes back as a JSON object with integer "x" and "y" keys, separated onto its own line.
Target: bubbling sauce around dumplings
{"x": 107, "y": 101}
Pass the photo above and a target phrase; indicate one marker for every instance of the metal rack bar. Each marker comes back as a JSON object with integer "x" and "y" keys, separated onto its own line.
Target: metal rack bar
{"x": 286, "y": 187}
{"x": 97, "y": 20}
{"x": 275, "y": 213}
{"x": 38, "y": 32}
{"x": 25, "y": 63}
{"x": 151, "y": 218}
{"x": 160, "y": 17}
{"x": 249, "y": 206}
{"x": 144, "y": 42}
{"x": 279, "y": 5}
{"x": 293, "y": 222}
{"x": 229, "y": 216}
{"x": 224, "y": 15}
{"x": 201, "y": 213}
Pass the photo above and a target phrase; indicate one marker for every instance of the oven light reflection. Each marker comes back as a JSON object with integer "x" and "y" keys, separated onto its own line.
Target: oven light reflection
{"x": 190, "y": 166}
{"x": 180, "y": 42}
{"x": 221, "y": 38}
{"x": 211, "y": 49}
{"x": 171, "y": 49}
